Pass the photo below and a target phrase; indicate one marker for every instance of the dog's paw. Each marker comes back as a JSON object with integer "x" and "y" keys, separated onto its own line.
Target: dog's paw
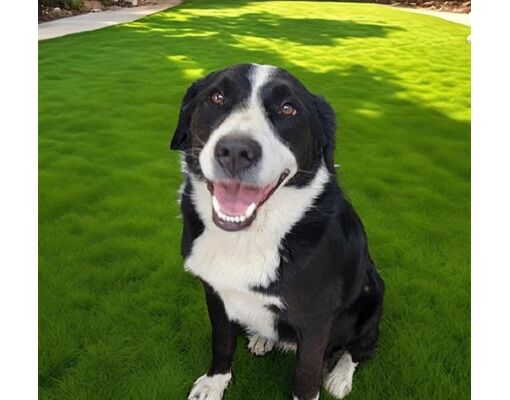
{"x": 338, "y": 381}
{"x": 210, "y": 387}
{"x": 259, "y": 345}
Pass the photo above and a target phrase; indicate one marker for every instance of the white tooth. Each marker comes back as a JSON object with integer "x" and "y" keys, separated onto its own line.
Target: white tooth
{"x": 222, "y": 216}
{"x": 238, "y": 219}
{"x": 231, "y": 219}
{"x": 250, "y": 210}
{"x": 216, "y": 205}
{"x": 242, "y": 218}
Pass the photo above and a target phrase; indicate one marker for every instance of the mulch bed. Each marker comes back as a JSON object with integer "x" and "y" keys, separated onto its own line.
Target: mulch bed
{"x": 50, "y": 15}
{"x": 438, "y": 5}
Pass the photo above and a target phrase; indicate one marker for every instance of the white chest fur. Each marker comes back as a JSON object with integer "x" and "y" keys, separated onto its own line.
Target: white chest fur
{"x": 234, "y": 262}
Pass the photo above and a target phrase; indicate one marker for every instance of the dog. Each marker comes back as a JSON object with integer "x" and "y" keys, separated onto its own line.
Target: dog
{"x": 280, "y": 251}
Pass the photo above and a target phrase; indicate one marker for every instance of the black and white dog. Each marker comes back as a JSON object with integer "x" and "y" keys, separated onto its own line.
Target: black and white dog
{"x": 281, "y": 253}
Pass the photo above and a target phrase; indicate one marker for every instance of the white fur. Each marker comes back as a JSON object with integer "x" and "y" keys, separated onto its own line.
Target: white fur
{"x": 250, "y": 121}
{"x": 210, "y": 387}
{"x": 287, "y": 347}
{"x": 233, "y": 262}
{"x": 338, "y": 381}
{"x": 259, "y": 345}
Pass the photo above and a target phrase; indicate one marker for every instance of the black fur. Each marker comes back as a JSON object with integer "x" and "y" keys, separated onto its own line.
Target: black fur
{"x": 327, "y": 279}
{"x": 327, "y": 273}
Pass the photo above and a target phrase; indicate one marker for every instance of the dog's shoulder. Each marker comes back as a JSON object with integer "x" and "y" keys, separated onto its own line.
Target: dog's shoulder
{"x": 331, "y": 221}
{"x": 327, "y": 248}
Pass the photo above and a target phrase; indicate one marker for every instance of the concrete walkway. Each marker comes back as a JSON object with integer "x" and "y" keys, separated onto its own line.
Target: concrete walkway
{"x": 93, "y": 21}
{"x": 459, "y": 18}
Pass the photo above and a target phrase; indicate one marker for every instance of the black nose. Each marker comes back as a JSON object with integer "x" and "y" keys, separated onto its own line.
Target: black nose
{"x": 236, "y": 154}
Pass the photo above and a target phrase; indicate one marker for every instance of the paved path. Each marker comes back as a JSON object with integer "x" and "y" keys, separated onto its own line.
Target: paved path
{"x": 93, "y": 21}
{"x": 459, "y": 18}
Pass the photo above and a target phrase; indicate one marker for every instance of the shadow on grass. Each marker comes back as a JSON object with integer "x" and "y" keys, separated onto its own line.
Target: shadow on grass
{"x": 368, "y": 101}
{"x": 263, "y": 25}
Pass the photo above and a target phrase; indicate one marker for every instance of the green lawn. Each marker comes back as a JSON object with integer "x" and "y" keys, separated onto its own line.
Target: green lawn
{"x": 119, "y": 317}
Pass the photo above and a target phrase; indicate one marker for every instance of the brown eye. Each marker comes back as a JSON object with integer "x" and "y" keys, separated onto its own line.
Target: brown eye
{"x": 287, "y": 109}
{"x": 217, "y": 98}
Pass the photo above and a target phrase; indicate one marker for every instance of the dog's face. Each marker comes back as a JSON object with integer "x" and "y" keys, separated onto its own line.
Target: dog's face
{"x": 246, "y": 131}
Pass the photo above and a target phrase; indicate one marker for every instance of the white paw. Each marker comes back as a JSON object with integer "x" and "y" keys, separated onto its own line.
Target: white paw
{"x": 259, "y": 345}
{"x": 338, "y": 381}
{"x": 210, "y": 387}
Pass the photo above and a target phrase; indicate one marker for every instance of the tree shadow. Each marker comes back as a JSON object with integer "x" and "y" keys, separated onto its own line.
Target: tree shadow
{"x": 263, "y": 25}
{"x": 355, "y": 90}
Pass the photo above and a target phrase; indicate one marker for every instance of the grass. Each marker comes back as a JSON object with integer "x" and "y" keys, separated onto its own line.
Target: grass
{"x": 119, "y": 317}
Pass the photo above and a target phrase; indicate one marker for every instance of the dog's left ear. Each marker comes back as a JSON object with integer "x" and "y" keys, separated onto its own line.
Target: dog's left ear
{"x": 184, "y": 122}
{"x": 328, "y": 122}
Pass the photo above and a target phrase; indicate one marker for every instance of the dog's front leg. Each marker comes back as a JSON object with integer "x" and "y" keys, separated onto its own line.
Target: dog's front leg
{"x": 224, "y": 334}
{"x": 312, "y": 343}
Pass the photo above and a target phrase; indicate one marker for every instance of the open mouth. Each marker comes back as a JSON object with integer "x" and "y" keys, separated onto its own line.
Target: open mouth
{"x": 235, "y": 204}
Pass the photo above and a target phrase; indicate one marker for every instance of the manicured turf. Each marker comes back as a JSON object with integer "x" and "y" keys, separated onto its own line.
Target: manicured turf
{"x": 119, "y": 317}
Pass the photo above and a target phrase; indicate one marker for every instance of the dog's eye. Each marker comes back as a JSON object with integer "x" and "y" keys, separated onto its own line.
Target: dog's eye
{"x": 217, "y": 98}
{"x": 287, "y": 109}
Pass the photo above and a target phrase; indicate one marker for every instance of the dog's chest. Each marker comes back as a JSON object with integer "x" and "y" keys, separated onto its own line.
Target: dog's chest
{"x": 232, "y": 265}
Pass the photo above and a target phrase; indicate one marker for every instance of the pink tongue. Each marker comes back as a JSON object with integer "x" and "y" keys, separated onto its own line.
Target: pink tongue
{"x": 235, "y": 198}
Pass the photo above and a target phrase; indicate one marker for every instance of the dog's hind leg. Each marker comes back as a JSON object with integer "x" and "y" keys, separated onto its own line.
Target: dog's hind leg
{"x": 363, "y": 321}
{"x": 338, "y": 380}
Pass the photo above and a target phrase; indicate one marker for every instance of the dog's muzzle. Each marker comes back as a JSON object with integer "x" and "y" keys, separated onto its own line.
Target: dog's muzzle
{"x": 235, "y": 204}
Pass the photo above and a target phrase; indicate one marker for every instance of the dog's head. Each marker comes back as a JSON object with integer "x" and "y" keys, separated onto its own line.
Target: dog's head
{"x": 246, "y": 131}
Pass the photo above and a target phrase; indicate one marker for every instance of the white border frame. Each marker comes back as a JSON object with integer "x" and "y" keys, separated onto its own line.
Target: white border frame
{"x": 18, "y": 201}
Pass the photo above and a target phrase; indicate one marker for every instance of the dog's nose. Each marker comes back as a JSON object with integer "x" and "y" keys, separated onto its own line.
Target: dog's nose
{"x": 235, "y": 154}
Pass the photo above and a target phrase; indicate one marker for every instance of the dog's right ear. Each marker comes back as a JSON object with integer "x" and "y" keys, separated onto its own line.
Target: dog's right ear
{"x": 188, "y": 104}
{"x": 181, "y": 134}
{"x": 183, "y": 124}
